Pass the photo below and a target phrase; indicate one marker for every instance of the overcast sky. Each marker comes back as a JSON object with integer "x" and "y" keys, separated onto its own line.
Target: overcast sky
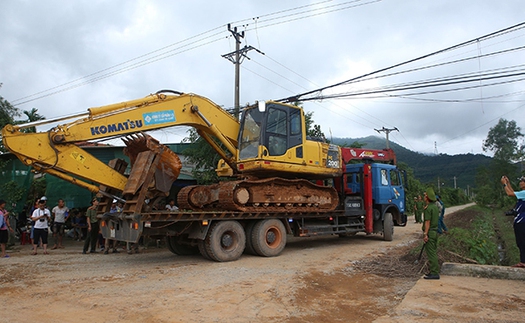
{"x": 81, "y": 54}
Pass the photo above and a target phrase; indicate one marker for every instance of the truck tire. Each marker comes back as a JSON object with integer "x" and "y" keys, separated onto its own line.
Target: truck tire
{"x": 388, "y": 227}
{"x": 403, "y": 222}
{"x": 268, "y": 237}
{"x": 248, "y": 229}
{"x": 177, "y": 248}
{"x": 346, "y": 234}
{"x": 202, "y": 249}
{"x": 225, "y": 241}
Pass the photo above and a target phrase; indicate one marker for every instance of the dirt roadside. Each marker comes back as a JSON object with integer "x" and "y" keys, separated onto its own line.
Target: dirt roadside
{"x": 314, "y": 280}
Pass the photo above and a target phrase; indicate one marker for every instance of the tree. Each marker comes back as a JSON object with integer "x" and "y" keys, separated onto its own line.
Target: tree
{"x": 203, "y": 157}
{"x": 413, "y": 187}
{"x": 502, "y": 139}
{"x": 32, "y": 115}
{"x": 312, "y": 130}
{"x": 7, "y": 114}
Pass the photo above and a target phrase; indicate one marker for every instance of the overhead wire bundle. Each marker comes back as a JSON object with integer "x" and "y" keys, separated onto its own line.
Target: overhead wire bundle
{"x": 507, "y": 74}
{"x": 197, "y": 41}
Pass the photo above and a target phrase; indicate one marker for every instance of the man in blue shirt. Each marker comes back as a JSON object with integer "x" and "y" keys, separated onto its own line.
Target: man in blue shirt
{"x": 519, "y": 220}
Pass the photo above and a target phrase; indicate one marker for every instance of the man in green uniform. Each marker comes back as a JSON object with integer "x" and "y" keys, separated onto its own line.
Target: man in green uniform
{"x": 431, "y": 218}
{"x": 418, "y": 209}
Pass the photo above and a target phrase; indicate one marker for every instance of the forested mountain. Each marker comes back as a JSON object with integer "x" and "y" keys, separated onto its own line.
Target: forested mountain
{"x": 428, "y": 168}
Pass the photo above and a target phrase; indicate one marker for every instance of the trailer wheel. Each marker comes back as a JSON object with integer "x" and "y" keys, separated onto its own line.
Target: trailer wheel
{"x": 180, "y": 249}
{"x": 225, "y": 241}
{"x": 268, "y": 237}
{"x": 388, "y": 227}
{"x": 248, "y": 229}
{"x": 202, "y": 249}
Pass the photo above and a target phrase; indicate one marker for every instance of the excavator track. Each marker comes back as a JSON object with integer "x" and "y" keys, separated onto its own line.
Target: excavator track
{"x": 260, "y": 195}
{"x": 198, "y": 197}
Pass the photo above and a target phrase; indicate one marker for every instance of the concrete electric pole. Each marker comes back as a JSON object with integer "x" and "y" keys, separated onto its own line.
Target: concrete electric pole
{"x": 387, "y": 131}
{"x": 236, "y": 57}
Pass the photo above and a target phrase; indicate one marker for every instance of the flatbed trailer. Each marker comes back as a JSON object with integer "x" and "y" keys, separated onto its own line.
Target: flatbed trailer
{"x": 371, "y": 200}
{"x": 225, "y": 235}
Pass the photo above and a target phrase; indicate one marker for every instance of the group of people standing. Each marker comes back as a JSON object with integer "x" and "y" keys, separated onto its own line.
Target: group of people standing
{"x": 419, "y": 208}
{"x": 94, "y": 228}
{"x": 433, "y": 211}
{"x": 41, "y": 219}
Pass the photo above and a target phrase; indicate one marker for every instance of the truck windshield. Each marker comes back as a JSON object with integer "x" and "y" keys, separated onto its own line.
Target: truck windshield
{"x": 250, "y": 134}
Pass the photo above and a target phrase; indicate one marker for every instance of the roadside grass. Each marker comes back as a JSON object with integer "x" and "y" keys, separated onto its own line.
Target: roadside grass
{"x": 504, "y": 226}
{"x": 472, "y": 234}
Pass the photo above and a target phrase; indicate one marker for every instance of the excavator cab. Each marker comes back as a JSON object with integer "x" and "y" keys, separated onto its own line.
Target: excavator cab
{"x": 272, "y": 142}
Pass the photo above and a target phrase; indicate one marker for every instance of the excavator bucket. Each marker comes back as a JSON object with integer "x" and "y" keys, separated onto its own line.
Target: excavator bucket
{"x": 145, "y": 152}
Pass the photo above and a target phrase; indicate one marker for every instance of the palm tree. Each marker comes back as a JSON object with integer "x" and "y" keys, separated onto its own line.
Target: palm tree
{"x": 32, "y": 115}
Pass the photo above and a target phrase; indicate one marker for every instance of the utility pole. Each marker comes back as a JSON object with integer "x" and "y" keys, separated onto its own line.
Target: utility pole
{"x": 387, "y": 131}
{"x": 455, "y": 182}
{"x": 237, "y": 57}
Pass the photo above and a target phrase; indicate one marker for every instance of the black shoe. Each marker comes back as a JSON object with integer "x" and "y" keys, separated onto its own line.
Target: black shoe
{"x": 92, "y": 251}
{"x": 106, "y": 252}
{"x": 83, "y": 252}
{"x": 115, "y": 251}
{"x": 431, "y": 276}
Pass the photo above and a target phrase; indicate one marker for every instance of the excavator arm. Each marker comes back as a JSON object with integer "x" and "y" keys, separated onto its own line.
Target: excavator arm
{"x": 56, "y": 151}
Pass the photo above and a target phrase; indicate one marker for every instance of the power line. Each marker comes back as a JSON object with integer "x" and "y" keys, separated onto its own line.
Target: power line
{"x": 415, "y": 86}
{"x": 104, "y": 76}
{"x": 164, "y": 53}
{"x": 299, "y": 97}
{"x": 129, "y": 61}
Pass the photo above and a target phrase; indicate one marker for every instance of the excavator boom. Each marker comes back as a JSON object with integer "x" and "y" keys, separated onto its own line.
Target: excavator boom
{"x": 57, "y": 151}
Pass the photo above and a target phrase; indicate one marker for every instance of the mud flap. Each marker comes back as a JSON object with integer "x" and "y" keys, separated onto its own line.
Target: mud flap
{"x": 128, "y": 230}
{"x": 199, "y": 231}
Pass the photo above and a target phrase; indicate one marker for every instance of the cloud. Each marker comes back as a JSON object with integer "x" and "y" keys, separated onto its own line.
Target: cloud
{"x": 46, "y": 44}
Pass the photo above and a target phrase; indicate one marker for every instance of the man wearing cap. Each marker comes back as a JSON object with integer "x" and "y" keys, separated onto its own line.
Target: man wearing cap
{"x": 430, "y": 225}
{"x": 93, "y": 228}
{"x": 519, "y": 219}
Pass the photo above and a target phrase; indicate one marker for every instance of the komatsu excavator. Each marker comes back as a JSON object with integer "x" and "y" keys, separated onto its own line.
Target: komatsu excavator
{"x": 280, "y": 181}
{"x": 267, "y": 154}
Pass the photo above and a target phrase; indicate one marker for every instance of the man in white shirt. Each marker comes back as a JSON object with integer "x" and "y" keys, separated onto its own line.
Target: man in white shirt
{"x": 59, "y": 216}
{"x": 41, "y": 216}
{"x": 171, "y": 206}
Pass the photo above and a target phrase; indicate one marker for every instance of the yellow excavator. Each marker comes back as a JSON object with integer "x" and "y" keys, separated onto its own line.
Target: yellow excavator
{"x": 271, "y": 162}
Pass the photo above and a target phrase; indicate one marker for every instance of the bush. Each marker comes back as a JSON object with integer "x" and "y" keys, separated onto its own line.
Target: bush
{"x": 504, "y": 226}
{"x": 479, "y": 242}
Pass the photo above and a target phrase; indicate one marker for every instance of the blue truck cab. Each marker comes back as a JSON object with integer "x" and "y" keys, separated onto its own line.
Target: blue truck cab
{"x": 387, "y": 191}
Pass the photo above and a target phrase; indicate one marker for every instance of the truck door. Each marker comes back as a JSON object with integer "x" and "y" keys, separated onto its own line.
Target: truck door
{"x": 397, "y": 190}
{"x": 381, "y": 185}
